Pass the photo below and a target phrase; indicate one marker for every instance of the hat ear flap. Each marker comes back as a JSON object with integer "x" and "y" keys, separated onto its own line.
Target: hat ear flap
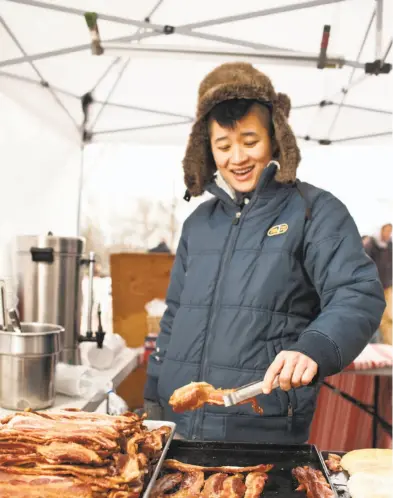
{"x": 284, "y": 103}
{"x": 198, "y": 163}
{"x": 289, "y": 154}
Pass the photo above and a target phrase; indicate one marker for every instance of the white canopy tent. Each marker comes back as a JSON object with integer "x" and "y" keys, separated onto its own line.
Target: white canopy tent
{"x": 143, "y": 88}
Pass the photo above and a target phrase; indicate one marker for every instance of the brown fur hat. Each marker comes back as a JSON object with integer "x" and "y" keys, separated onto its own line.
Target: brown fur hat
{"x": 237, "y": 81}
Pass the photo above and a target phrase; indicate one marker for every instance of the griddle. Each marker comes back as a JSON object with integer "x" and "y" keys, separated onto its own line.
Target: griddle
{"x": 280, "y": 484}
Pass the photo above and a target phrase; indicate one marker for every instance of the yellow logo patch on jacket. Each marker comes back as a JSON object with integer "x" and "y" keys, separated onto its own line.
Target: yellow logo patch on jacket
{"x": 277, "y": 230}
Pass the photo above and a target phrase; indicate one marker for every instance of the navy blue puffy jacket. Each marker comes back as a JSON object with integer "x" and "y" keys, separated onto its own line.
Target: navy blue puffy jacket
{"x": 239, "y": 295}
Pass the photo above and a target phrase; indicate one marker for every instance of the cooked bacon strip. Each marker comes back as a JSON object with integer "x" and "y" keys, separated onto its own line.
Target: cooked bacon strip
{"x": 67, "y": 434}
{"x": 191, "y": 486}
{"x": 196, "y": 394}
{"x": 154, "y": 441}
{"x": 312, "y": 482}
{"x": 68, "y": 453}
{"x": 334, "y": 462}
{"x": 166, "y": 483}
{"x": 233, "y": 487}
{"x": 186, "y": 467}
{"x": 8, "y": 448}
{"x": 13, "y": 459}
{"x": 214, "y": 486}
{"x": 15, "y": 486}
{"x": 124, "y": 494}
{"x": 255, "y": 482}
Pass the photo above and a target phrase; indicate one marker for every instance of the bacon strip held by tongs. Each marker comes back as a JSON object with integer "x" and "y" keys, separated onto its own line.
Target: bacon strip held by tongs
{"x": 312, "y": 482}
{"x": 196, "y": 394}
{"x": 186, "y": 467}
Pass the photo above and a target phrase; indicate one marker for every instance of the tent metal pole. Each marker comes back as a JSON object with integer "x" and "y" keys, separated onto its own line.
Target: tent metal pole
{"x": 79, "y": 12}
{"x": 109, "y": 94}
{"x": 232, "y": 41}
{"x": 139, "y": 31}
{"x": 144, "y": 109}
{"x": 259, "y": 13}
{"x": 38, "y": 83}
{"x": 369, "y": 109}
{"x": 387, "y": 50}
{"x": 105, "y": 73}
{"x": 187, "y": 29}
{"x": 344, "y": 95}
{"x": 361, "y": 137}
{"x": 71, "y": 50}
{"x": 378, "y": 29}
{"x": 139, "y": 128}
{"x": 304, "y": 106}
{"x": 309, "y": 60}
{"x": 159, "y": 27}
{"x": 43, "y": 81}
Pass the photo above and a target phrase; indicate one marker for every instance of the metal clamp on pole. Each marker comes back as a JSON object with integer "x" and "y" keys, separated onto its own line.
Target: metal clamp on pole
{"x": 324, "y": 46}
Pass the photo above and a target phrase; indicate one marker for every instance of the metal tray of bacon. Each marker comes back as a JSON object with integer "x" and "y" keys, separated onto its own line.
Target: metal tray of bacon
{"x": 151, "y": 425}
{"x": 280, "y": 483}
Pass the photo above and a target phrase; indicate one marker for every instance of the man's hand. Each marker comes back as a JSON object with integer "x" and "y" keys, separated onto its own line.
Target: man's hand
{"x": 295, "y": 370}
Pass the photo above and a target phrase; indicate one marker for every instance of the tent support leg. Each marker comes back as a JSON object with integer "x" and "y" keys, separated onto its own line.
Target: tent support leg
{"x": 80, "y": 189}
{"x": 378, "y": 29}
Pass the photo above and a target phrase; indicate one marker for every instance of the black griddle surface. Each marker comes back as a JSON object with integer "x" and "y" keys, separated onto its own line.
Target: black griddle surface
{"x": 280, "y": 484}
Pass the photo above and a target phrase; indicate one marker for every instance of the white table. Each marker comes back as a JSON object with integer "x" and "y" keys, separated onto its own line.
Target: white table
{"x": 125, "y": 363}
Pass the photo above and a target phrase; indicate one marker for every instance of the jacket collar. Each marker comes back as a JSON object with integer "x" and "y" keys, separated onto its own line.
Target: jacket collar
{"x": 220, "y": 188}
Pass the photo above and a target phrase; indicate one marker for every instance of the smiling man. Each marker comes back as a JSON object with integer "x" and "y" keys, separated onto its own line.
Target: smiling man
{"x": 270, "y": 277}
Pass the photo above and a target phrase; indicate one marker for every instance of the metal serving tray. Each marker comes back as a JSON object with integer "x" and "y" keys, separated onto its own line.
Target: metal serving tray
{"x": 280, "y": 484}
{"x": 151, "y": 425}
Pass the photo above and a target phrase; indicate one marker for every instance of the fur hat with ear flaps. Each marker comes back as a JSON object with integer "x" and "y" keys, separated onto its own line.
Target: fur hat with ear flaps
{"x": 237, "y": 81}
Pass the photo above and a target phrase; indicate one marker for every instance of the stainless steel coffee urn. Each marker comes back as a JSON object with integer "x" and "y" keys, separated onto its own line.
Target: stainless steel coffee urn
{"x": 49, "y": 285}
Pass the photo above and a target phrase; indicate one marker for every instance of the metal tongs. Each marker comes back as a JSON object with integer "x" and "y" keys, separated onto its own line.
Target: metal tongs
{"x": 246, "y": 392}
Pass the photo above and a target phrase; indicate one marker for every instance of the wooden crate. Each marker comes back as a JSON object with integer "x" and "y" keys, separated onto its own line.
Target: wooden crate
{"x": 136, "y": 279}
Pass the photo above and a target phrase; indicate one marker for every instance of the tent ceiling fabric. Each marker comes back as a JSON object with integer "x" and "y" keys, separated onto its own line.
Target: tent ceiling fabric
{"x": 151, "y": 99}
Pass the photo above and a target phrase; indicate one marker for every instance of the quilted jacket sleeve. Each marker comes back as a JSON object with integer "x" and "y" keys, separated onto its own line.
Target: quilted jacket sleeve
{"x": 346, "y": 279}
{"x": 173, "y": 301}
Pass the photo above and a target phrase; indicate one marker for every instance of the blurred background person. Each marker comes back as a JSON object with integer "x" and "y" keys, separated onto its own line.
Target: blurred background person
{"x": 379, "y": 248}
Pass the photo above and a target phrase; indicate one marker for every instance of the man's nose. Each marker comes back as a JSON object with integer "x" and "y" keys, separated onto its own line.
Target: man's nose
{"x": 238, "y": 155}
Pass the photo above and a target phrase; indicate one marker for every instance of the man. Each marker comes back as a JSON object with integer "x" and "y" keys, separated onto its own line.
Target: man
{"x": 379, "y": 248}
{"x": 270, "y": 276}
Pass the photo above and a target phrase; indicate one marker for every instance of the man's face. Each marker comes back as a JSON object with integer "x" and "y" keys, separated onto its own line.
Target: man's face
{"x": 242, "y": 153}
{"x": 386, "y": 233}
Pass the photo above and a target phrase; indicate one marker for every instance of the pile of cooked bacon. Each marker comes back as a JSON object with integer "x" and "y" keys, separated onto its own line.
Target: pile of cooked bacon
{"x": 76, "y": 454}
{"x": 188, "y": 481}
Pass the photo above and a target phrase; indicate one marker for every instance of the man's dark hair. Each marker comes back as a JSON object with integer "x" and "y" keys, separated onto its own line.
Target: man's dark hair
{"x": 228, "y": 112}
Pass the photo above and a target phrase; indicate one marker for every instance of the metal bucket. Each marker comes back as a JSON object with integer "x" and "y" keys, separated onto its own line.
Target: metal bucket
{"x": 28, "y": 365}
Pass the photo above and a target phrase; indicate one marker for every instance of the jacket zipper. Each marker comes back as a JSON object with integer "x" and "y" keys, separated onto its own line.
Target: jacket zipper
{"x": 230, "y": 243}
{"x": 290, "y": 417}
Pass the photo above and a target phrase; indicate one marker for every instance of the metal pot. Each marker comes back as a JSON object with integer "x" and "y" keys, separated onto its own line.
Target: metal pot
{"x": 28, "y": 365}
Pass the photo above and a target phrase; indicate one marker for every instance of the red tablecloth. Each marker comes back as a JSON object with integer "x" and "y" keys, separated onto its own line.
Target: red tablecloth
{"x": 342, "y": 426}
